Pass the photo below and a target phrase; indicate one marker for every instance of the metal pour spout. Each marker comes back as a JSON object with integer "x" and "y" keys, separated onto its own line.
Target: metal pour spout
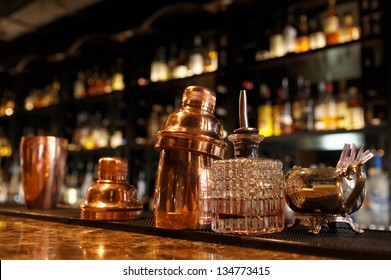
{"x": 245, "y": 139}
{"x": 243, "y": 119}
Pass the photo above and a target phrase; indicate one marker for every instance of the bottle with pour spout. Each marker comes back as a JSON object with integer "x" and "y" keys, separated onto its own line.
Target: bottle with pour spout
{"x": 247, "y": 191}
{"x": 191, "y": 138}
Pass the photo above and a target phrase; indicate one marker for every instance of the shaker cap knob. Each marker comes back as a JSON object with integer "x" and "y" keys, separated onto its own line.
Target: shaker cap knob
{"x": 200, "y": 97}
{"x": 113, "y": 168}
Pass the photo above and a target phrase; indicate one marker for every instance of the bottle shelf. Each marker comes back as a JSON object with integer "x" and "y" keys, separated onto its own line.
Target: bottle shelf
{"x": 104, "y": 97}
{"x": 100, "y": 151}
{"x": 42, "y": 111}
{"x": 297, "y": 58}
{"x": 299, "y": 135}
{"x": 180, "y": 84}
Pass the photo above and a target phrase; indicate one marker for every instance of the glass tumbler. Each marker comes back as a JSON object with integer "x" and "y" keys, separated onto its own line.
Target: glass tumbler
{"x": 248, "y": 196}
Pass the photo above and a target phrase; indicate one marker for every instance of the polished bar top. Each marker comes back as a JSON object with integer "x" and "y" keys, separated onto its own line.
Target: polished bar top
{"x": 27, "y": 239}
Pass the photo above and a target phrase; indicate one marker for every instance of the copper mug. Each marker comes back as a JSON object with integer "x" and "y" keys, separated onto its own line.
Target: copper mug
{"x": 42, "y": 165}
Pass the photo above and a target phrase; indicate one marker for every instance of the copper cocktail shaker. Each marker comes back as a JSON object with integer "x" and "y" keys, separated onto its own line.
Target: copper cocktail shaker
{"x": 188, "y": 142}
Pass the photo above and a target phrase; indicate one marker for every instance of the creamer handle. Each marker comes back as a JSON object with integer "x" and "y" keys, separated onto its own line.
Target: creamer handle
{"x": 358, "y": 188}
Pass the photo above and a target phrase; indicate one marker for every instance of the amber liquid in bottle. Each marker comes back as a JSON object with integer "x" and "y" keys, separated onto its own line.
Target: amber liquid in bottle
{"x": 303, "y": 39}
{"x": 331, "y": 24}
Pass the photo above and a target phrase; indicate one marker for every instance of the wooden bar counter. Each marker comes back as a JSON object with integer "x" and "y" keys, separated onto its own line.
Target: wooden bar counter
{"x": 62, "y": 235}
{"x": 24, "y": 238}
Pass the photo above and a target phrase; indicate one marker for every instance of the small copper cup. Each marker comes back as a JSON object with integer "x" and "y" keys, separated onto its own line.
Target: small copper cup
{"x": 42, "y": 165}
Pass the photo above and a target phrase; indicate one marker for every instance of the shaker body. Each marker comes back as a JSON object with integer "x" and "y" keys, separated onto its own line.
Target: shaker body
{"x": 179, "y": 179}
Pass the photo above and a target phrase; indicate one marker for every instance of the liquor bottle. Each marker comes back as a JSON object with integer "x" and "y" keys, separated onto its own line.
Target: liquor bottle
{"x": 89, "y": 81}
{"x": 343, "y": 117}
{"x": 99, "y": 77}
{"x": 303, "y": 106}
{"x": 378, "y": 185}
{"x": 276, "y": 112}
{"x": 7, "y": 103}
{"x": 355, "y": 109}
{"x": 317, "y": 36}
{"x": 53, "y": 92}
{"x": 172, "y": 60}
{"x": 349, "y": 31}
{"x": 265, "y": 111}
{"x": 117, "y": 138}
{"x": 181, "y": 70}
{"x": 142, "y": 194}
{"x": 79, "y": 86}
{"x": 276, "y": 41}
{"x": 309, "y": 106}
{"x": 222, "y": 47}
{"x": 286, "y": 119}
{"x": 5, "y": 151}
{"x": 154, "y": 123}
{"x": 93, "y": 81}
{"x": 88, "y": 179}
{"x": 15, "y": 182}
{"x": 376, "y": 108}
{"x": 330, "y": 117}
{"x": 196, "y": 58}
{"x": 77, "y": 133}
{"x": 211, "y": 61}
{"x": 117, "y": 79}
{"x": 70, "y": 194}
{"x": 297, "y": 102}
{"x": 159, "y": 68}
{"x": 105, "y": 82}
{"x": 320, "y": 108}
{"x": 331, "y": 24}
{"x": 263, "y": 52}
{"x": 3, "y": 188}
{"x": 302, "y": 39}
{"x": 289, "y": 33}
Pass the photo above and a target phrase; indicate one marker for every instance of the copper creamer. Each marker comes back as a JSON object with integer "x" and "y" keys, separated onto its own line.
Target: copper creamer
{"x": 328, "y": 195}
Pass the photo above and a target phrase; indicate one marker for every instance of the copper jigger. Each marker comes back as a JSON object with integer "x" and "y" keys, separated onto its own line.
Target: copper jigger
{"x": 42, "y": 164}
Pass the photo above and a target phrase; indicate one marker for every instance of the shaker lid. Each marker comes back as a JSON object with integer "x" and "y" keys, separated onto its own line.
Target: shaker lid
{"x": 113, "y": 168}
{"x": 194, "y": 128}
{"x": 199, "y": 96}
